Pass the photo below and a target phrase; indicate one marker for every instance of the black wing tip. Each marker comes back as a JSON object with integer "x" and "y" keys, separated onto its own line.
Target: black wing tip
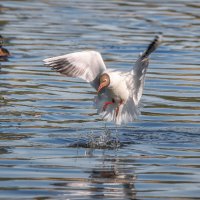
{"x": 153, "y": 45}
{"x": 63, "y": 66}
{"x": 158, "y": 38}
{"x": 56, "y": 64}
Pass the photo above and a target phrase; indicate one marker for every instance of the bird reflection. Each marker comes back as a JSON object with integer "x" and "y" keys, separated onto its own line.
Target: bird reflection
{"x": 113, "y": 181}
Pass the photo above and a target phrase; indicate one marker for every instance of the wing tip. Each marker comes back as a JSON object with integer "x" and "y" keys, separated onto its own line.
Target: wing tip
{"x": 153, "y": 45}
{"x": 50, "y": 60}
{"x": 159, "y": 38}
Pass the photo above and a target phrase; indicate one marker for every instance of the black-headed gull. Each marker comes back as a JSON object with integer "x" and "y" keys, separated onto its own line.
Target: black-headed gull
{"x": 118, "y": 93}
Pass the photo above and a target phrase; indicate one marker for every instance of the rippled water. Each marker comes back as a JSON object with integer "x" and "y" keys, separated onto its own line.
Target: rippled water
{"x": 48, "y": 123}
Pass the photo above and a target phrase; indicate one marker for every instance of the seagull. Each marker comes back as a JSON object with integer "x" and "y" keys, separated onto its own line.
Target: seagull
{"x": 118, "y": 92}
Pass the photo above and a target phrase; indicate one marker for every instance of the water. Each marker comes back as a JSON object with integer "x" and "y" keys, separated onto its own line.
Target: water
{"x": 51, "y": 137}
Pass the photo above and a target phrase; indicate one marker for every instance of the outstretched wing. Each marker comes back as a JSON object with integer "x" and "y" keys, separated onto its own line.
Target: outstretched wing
{"x": 135, "y": 78}
{"x": 87, "y": 65}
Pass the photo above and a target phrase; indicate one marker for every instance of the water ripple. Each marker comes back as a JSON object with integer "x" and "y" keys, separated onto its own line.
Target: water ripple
{"x": 53, "y": 143}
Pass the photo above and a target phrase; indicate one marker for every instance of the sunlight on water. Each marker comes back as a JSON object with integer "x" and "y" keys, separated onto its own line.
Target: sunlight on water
{"x": 54, "y": 145}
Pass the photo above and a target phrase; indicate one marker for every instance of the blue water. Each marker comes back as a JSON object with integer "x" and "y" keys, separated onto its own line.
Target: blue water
{"x": 53, "y": 144}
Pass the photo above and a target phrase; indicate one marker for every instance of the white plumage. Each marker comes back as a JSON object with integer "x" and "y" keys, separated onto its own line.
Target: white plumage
{"x": 119, "y": 93}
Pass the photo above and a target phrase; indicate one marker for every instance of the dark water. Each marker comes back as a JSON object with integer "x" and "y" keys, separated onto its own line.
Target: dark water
{"x": 47, "y": 122}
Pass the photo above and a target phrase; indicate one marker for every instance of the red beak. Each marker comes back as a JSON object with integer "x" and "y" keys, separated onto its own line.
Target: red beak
{"x": 101, "y": 86}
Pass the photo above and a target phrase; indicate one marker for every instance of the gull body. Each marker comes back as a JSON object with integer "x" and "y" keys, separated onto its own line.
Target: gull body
{"x": 118, "y": 92}
{"x": 117, "y": 89}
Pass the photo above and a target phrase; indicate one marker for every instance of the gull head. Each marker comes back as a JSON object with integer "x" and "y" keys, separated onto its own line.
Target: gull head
{"x": 104, "y": 81}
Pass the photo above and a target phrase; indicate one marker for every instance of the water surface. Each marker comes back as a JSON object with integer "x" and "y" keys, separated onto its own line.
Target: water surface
{"x": 47, "y": 121}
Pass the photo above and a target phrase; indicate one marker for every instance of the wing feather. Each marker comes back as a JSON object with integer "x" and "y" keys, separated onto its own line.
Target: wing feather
{"x": 87, "y": 65}
{"x": 135, "y": 78}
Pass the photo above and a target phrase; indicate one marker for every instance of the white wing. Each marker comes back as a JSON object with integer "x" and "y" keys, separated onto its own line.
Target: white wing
{"x": 135, "y": 78}
{"x": 87, "y": 65}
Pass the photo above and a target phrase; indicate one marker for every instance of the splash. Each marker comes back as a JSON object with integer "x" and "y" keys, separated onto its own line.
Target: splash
{"x": 106, "y": 140}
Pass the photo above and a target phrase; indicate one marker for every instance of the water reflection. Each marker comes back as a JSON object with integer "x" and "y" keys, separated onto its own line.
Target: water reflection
{"x": 121, "y": 181}
{"x": 103, "y": 181}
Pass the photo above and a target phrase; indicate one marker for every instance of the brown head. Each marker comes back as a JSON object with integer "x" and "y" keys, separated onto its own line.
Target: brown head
{"x": 104, "y": 82}
{"x": 3, "y": 52}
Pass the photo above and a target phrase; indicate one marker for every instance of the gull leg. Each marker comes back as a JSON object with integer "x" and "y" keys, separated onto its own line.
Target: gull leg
{"x": 108, "y": 103}
{"x": 117, "y": 109}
